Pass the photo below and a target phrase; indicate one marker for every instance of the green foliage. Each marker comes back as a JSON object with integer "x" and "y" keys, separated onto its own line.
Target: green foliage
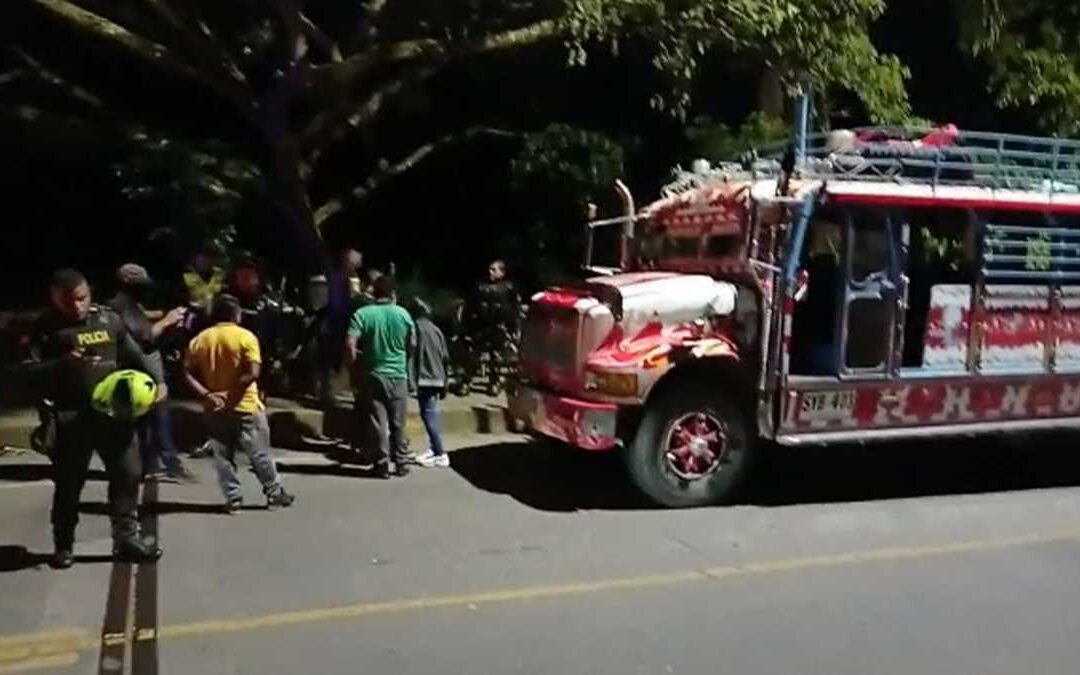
{"x": 440, "y": 300}
{"x": 715, "y": 141}
{"x": 1033, "y": 50}
{"x": 821, "y": 43}
{"x": 942, "y": 251}
{"x": 577, "y": 163}
{"x": 199, "y": 185}
{"x": 557, "y": 173}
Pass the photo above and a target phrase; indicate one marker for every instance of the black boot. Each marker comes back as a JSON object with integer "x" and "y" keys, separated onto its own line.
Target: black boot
{"x": 63, "y": 558}
{"x": 136, "y": 550}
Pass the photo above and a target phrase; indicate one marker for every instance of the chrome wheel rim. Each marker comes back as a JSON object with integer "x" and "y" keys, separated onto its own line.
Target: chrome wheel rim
{"x": 695, "y": 445}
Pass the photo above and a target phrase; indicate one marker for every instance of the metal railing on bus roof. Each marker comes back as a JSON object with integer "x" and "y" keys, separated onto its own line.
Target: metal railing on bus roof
{"x": 990, "y": 161}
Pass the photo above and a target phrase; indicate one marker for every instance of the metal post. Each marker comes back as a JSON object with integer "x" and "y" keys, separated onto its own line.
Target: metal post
{"x": 804, "y": 126}
{"x": 627, "y": 200}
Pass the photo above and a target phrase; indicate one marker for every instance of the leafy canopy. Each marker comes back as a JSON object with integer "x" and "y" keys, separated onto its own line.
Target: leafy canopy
{"x": 1033, "y": 50}
{"x": 821, "y": 43}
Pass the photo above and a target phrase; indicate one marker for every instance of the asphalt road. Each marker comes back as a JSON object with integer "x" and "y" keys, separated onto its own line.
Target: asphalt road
{"x": 953, "y": 559}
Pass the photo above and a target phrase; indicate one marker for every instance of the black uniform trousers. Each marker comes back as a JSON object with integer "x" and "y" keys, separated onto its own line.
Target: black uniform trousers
{"x": 78, "y": 435}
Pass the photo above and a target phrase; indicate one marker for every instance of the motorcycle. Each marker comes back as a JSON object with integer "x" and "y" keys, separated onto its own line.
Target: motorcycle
{"x": 281, "y": 325}
{"x": 484, "y": 351}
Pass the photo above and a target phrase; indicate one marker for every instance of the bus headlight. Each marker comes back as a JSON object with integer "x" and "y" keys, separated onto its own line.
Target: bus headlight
{"x": 622, "y": 385}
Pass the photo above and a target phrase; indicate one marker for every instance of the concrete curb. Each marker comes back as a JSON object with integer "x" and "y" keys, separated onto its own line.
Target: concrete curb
{"x": 292, "y": 426}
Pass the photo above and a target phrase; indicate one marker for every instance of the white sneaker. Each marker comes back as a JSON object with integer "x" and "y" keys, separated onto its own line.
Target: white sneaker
{"x": 422, "y": 457}
{"x": 431, "y": 461}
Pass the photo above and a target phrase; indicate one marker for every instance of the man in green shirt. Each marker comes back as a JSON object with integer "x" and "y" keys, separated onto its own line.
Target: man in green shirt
{"x": 379, "y": 341}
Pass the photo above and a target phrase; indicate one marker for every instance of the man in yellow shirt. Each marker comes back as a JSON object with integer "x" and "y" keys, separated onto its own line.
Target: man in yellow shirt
{"x": 222, "y": 368}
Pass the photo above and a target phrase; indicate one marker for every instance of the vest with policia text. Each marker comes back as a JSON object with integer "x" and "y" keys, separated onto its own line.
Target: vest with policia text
{"x": 101, "y": 335}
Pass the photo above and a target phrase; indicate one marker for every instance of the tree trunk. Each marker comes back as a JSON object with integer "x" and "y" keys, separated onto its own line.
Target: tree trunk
{"x": 771, "y": 94}
{"x": 299, "y": 246}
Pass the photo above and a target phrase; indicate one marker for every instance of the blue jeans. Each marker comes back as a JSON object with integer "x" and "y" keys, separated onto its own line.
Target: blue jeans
{"x": 248, "y": 433}
{"x": 156, "y": 441}
{"x": 429, "y": 413}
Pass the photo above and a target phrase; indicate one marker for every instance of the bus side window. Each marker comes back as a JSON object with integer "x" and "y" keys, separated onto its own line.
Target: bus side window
{"x": 870, "y": 249}
{"x": 941, "y": 254}
{"x": 871, "y": 291}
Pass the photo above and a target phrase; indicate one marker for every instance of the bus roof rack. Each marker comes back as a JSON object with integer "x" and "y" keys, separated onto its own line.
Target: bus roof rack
{"x": 943, "y": 156}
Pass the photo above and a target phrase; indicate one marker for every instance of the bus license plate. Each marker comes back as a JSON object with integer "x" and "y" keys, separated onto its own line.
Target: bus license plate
{"x": 827, "y": 405}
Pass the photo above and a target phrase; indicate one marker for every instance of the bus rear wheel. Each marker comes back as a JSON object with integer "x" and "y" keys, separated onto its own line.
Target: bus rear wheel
{"x": 692, "y": 448}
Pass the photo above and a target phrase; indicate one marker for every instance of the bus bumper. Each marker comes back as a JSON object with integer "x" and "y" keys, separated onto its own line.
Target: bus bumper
{"x": 584, "y": 424}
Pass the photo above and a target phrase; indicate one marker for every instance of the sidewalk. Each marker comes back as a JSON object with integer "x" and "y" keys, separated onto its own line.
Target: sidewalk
{"x": 295, "y": 426}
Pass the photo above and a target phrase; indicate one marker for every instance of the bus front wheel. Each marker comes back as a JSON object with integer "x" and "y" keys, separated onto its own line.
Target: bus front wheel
{"x": 692, "y": 448}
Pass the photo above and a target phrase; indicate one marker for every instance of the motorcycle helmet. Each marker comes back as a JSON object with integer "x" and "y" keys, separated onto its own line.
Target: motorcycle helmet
{"x": 125, "y": 394}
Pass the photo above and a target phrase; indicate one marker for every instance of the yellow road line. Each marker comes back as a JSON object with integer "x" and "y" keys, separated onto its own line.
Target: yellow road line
{"x": 41, "y": 663}
{"x": 43, "y": 636}
{"x": 79, "y": 640}
{"x": 46, "y": 643}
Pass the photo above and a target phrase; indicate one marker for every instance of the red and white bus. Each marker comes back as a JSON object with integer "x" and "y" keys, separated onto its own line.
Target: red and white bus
{"x": 890, "y": 284}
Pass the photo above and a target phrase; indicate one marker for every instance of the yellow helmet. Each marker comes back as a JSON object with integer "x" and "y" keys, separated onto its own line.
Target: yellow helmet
{"x": 125, "y": 394}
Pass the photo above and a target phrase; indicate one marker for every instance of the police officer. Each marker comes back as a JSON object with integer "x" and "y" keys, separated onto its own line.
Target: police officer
{"x": 497, "y": 306}
{"x": 79, "y": 344}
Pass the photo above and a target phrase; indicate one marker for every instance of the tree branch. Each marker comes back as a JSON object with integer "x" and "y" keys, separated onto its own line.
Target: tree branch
{"x": 101, "y": 28}
{"x": 198, "y": 40}
{"x": 434, "y": 49}
{"x": 334, "y": 121}
{"x": 296, "y": 37}
{"x": 365, "y": 31}
{"x": 11, "y": 76}
{"x": 346, "y": 74}
{"x": 319, "y": 37}
{"x": 54, "y": 79}
{"x": 389, "y": 172}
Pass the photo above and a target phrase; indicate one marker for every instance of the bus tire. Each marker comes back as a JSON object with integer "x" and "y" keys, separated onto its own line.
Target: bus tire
{"x": 693, "y": 448}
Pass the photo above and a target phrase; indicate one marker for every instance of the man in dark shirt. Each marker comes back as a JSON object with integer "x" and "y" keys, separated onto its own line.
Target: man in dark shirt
{"x": 79, "y": 344}
{"x": 331, "y": 321}
{"x": 498, "y": 302}
{"x": 155, "y": 431}
{"x": 495, "y": 313}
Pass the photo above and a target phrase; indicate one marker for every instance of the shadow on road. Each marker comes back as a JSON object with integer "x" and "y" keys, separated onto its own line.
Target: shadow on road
{"x": 28, "y": 473}
{"x": 342, "y": 470}
{"x": 905, "y": 470}
{"x": 166, "y": 507}
{"x": 550, "y": 477}
{"x": 15, "y": 558}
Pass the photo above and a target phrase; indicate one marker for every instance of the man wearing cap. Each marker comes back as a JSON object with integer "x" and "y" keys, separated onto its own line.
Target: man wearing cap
{"x": 155, "y": 430}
